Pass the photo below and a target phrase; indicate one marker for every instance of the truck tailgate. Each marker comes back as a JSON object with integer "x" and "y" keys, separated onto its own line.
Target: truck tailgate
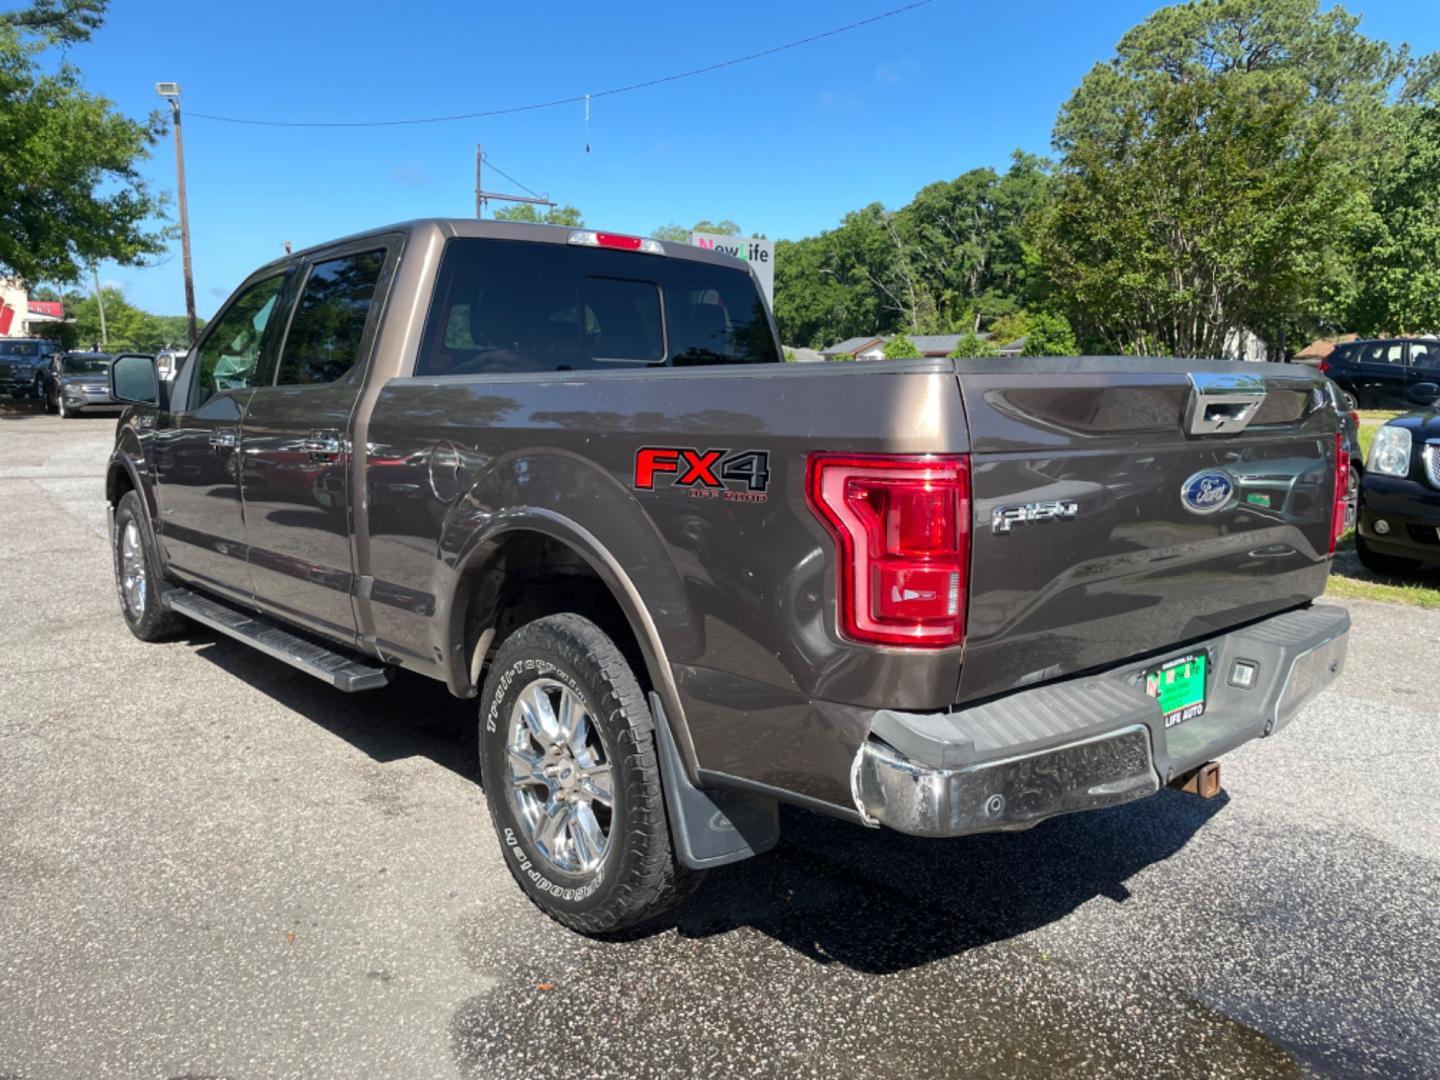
{"x": 1125, "y": 506}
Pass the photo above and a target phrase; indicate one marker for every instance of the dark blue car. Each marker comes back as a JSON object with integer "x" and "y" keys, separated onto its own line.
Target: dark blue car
{"x": 22, "y": 365}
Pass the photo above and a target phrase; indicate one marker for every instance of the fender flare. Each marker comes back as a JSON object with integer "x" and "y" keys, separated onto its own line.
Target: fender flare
{"x": 123, "y": 461}
{"x": 481, "y": 546}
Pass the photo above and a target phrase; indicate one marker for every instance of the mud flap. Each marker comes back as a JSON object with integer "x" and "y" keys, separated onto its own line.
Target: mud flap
{"x": 710, "y": 826}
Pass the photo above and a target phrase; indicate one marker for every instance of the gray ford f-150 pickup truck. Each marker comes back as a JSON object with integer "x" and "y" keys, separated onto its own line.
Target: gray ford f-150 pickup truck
{"x": 566, "y": 472}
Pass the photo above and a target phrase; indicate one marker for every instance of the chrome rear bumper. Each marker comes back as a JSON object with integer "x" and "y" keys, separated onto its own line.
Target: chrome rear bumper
{"x": 1088, "y": 743}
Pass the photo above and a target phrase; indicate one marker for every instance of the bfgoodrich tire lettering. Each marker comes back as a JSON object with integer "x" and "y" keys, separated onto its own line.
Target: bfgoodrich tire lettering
{"x": 637, "y": 878}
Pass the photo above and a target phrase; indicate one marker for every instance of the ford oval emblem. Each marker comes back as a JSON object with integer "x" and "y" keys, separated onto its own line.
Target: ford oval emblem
{"x": 1208, "y": 491}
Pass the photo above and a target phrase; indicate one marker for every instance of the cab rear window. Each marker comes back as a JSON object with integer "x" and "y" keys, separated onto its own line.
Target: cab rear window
{"x": 508, "y": 306}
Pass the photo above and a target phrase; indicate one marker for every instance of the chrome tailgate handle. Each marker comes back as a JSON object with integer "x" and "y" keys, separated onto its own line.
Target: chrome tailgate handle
{"x": 1222, "y": 404}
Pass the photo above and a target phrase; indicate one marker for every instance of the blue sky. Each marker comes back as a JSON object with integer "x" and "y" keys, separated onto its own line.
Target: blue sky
{"x": 783, "y": 145}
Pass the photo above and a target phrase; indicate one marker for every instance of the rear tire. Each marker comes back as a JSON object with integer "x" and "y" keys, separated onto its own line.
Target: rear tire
{"x": 1387, "y": 565}
{"x": 1352, "y": 401}
{"x": 563, "y": 727}
{"x": 137, "y": 575}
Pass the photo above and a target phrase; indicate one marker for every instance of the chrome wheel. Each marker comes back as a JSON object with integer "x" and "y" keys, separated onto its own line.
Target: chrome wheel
{"x": 560, "y": 778}
{"x": 132, "y": 570}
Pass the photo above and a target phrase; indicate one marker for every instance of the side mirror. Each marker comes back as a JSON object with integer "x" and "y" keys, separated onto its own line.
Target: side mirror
{"x": 1423, "y": 394}
{"x": 133, "y": 380}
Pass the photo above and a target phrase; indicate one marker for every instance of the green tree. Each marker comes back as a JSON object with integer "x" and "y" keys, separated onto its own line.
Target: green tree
{"x": 1397, "y": 247}
{"x": 678, "y": 234}
{"x": 551, "y": 215}
{"x": 971, "y": 346}
{"x": 1011, "y": 327}
{"x": 1210, "y": 171}
{"x": 1050, "y": 335}
{"x": 900, "y": 347}
{"x": 126, "y": 326}
{"x": 70, "y": 188}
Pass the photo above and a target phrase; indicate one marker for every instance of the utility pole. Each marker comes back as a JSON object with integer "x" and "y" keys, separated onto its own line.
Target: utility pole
{"x": 100, "y": 303}
{"x": 171, "y": 92}
{"x": 482, "y": 196}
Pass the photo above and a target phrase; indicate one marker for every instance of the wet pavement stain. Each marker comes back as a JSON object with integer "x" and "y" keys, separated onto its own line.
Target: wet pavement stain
{"x": 848, "y": 953}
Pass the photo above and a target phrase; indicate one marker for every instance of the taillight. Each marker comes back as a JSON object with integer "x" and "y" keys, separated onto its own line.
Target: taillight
{"x": 1342, "y": 490}
{"x": 902, "y": 526}
{"x": 1324, "y": 366}
{"x": 590, "y": 238}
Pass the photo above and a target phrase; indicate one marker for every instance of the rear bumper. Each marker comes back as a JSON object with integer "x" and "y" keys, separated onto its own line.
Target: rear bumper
{"x": 1091, "y": 742}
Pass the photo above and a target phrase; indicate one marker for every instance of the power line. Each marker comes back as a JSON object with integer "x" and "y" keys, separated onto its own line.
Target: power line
{"x": 566, "y": 100}
{"x": 486, "y": 159}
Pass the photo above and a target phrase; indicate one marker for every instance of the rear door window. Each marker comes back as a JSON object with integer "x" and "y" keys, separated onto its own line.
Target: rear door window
{"x": 507, "y": 306}
{"x": 323, "y": 343}
{"x": 1383, "y": 353}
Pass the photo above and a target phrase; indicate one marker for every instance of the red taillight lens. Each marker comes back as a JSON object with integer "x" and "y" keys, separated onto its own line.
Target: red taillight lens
{"x": 1342, "y": 490}
{"x": 902, "y": 526}
{"x": 1324, "y": 366}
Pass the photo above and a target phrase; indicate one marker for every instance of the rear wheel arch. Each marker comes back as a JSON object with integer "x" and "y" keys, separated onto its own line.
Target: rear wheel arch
{"x": 543, "y": 565}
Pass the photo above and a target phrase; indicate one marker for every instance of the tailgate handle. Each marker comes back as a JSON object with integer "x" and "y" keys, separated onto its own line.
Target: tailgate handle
{"x": 1222, "y": 404}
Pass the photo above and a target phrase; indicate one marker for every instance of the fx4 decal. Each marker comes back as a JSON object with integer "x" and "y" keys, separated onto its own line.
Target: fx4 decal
{"x": 734, "y": 475}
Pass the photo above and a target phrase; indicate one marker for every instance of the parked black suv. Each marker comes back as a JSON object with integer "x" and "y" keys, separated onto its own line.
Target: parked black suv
{"x": 1377, "y": 374}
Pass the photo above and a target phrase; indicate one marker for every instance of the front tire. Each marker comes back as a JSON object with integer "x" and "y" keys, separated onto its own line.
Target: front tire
{"x": 137, "y": 575}
{"x": 568, "y": 760}
{"x": 1386, "y": 565}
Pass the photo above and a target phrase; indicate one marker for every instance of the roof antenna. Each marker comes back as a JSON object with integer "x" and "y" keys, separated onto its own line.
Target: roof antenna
{"x": 587, "y": 123}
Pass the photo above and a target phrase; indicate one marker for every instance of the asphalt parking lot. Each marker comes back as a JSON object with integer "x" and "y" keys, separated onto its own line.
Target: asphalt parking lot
{"x": 214, "y": 866}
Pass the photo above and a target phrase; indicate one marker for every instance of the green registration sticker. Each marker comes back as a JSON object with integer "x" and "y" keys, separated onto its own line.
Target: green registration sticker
{"x": 1179, "y": 686}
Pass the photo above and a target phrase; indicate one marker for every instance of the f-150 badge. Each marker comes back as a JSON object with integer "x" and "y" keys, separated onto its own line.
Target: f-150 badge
{"x": 1003, "y": 517}
{"x": 734, "y": 475}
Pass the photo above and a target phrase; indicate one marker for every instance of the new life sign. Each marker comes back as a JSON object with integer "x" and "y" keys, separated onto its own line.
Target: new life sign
{"x": 757, "y": 252}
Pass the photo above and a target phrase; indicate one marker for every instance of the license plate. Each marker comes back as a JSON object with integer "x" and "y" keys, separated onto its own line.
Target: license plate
{"x": 1179, "y": 686}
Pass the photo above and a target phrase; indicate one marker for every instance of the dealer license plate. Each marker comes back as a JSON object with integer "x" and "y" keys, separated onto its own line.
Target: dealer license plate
{"x": 1179, "y": 686}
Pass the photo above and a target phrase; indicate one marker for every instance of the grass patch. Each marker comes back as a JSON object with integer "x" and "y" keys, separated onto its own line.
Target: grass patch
{"x": 1385, "y": 590}
{"x": 1349, "y": 580}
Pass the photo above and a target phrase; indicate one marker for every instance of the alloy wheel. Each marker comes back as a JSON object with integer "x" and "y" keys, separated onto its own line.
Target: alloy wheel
{"x": 132, "y": 570}
{"x": 560, "y": 777}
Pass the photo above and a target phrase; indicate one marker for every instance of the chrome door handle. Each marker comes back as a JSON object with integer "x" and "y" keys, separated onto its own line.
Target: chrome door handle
{"x": 322, "y": 445}
{"x": 223, "y": 439}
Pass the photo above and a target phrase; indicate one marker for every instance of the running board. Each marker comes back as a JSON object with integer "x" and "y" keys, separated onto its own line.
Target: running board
{"x": 343, "y": 672}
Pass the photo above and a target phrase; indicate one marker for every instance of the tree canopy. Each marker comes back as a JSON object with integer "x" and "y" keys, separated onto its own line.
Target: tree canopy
{"x": 71, "y": 193}
{"x": 551, "y": 215}
{"x": 1237, "y": 164}
{"x": 1210, "y": 172}
{"x": 678, "y": 234}
{"x": 126, "y": 326}
{"x": 951, "y": 259}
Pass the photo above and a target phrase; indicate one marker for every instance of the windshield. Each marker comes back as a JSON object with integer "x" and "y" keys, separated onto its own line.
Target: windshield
{"x": 85, "y": 365}
{"x": 21, "y": 348}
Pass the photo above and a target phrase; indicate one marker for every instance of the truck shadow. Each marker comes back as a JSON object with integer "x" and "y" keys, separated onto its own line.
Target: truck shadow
{"x": 872, "y": 900}
{"x": 880, "y": 902}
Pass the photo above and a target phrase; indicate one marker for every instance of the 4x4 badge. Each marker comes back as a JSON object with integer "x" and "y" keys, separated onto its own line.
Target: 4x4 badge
{"x": 736, "y": 475}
